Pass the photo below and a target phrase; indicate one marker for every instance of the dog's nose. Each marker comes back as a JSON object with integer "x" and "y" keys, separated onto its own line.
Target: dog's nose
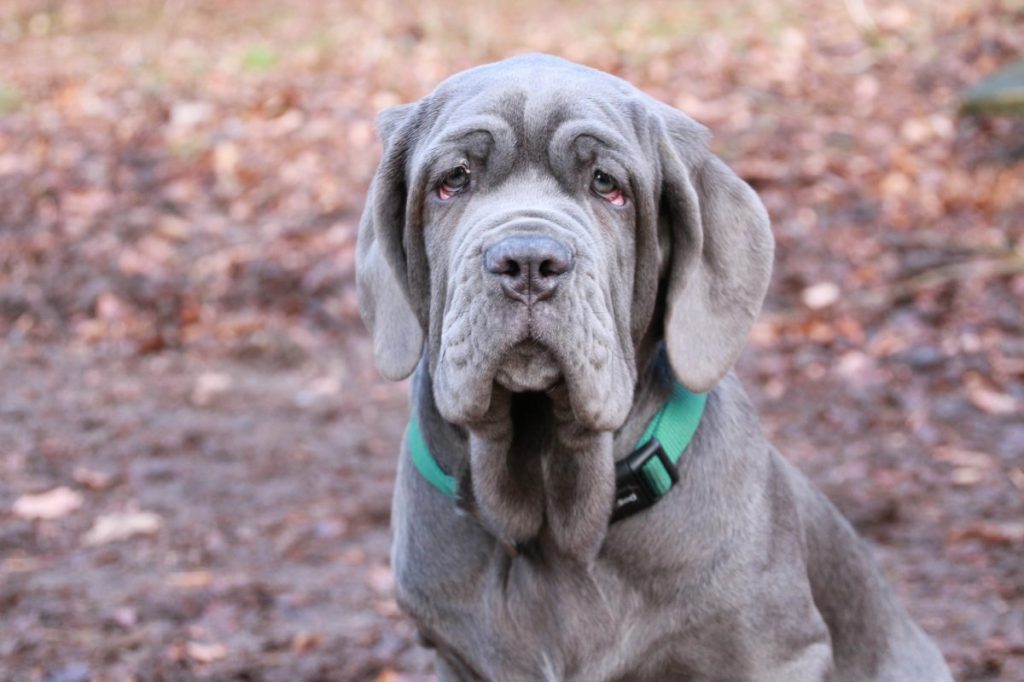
{"x": 528, "y": 266}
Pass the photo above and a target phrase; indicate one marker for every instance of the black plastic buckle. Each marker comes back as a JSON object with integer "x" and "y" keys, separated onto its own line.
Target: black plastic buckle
{"x": 632, "y": 492}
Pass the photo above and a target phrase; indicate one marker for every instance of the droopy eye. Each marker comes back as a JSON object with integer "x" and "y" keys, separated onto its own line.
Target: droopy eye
{"x": 605, "y": 186}
{"x": 453, "y": 182}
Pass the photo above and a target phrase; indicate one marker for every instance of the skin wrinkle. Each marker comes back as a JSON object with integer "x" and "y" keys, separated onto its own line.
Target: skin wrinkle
{"x": 463, "y": 354}
{"x": 469, "y": 278}
{"x": 492, "y": 437}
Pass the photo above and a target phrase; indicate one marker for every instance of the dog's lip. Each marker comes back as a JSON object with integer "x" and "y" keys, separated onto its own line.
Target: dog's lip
{"x": 519, "y": 384}
{"x": 529, "y": 366}
{"x": 514, "y": 387}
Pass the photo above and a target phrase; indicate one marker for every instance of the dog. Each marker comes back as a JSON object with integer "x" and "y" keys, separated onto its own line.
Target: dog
{"x": 562, "y": 262}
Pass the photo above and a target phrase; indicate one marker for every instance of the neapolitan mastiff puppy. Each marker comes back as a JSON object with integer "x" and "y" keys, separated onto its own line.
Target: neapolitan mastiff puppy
{"x": 573, "y": 272}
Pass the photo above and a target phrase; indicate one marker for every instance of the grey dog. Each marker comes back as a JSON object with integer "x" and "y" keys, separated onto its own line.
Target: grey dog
{"x": 552, "y": 251}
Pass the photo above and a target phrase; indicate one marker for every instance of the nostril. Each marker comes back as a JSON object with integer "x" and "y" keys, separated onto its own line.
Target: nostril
{"x": 555, "y": 264}
{"x": 498, "y": 261}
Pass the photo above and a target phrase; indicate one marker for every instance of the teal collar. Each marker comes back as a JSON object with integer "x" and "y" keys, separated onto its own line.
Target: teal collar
{"x": 641, "y": 479}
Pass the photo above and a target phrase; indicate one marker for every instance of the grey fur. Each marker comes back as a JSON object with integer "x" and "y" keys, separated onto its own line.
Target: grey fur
{"x": 743, "y": 571}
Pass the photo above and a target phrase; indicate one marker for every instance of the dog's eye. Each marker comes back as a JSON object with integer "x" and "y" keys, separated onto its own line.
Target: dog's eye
{"x": 453, "y": 182}
{"x": 605, "y": 186}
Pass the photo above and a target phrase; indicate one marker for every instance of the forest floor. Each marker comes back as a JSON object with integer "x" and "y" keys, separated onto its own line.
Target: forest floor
{"x": 196, "y": 452}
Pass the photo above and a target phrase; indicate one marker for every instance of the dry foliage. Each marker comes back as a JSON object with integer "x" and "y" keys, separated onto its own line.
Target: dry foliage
{"x": 186, "y": 390}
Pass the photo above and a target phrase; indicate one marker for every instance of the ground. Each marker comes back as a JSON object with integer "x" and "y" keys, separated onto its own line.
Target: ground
{"x": 196, "y": 452}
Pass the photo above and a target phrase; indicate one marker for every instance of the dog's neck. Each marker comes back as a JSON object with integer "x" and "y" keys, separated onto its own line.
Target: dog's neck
{"x": 529, "y": 472}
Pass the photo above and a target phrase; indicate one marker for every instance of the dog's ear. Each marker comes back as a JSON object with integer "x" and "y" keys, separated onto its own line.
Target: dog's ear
{"x": 721, "y": 255}
{"x": 381, "y": 272}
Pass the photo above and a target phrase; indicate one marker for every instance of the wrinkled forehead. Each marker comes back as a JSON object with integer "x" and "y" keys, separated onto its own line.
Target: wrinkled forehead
{"x": 535, "y": 102}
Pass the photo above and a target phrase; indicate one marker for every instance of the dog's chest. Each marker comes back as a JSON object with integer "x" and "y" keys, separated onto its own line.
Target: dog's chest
{"x": 520, "y": 619}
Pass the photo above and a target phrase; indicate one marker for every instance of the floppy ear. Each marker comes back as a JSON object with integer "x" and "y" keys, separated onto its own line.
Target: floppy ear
{"x": 721, "y": 260}
{"x": 381, "y": 279}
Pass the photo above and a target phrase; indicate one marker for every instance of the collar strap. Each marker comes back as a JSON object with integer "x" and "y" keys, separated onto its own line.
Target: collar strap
{"x": 641, "y": 479}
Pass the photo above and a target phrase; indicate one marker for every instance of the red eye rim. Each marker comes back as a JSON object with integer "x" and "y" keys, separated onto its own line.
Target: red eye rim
{"x": 599, "y": 185}
{"x": 454, "y": 181}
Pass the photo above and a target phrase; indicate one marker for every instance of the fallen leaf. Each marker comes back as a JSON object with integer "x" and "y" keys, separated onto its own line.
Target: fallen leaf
{"x": 305, "y": 641}
{"x": 1017, "y": 478}
{"x": 125, "y": 616}
{"x": 381, "y": 579}
{"x": 92, "y": 479}
{"x": 114, "y": 527}
{"x": 203, "y": 652}
{"x": 987, "y": 399}
{"x": 966, "y": 475}
{"x": 992, "y": 401}
{"x": 189, "y": 114}
{"x": 191, "y": 579}
{"x": 993, "y": 532}
{"x": 964, "y": 458}
{"x": 208, "y": 386}
{"x": 20, "y": 565}
{"x": 53, "y": 504}
{"x": 820, "y": 295}
{"x": 109, "y": 306}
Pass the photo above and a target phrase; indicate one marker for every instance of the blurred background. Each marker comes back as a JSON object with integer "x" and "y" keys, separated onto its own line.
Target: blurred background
{"x": 196, "y": 452}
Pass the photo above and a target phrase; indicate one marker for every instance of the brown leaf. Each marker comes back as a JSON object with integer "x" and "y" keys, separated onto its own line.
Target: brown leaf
{"x": 987, "y": 399}
{"x": 121, "y": 526}
{"x": 93, "y": 479}
{"x": 209, "y": 386}
{"x": 820, "y": 295}
{"x": 306, "y": 641}
{"x": 964, "y": 458}
{"x": 967, "y": 476}
{"x": 191, "y": 579}
{"x": 53, "y": 504}
{"x": 203, "y": 652}
{"x": 381, "y": 579}
{"x": 993, "y": 532}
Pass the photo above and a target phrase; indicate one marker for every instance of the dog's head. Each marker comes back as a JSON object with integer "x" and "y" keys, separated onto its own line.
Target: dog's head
{"x": 536, "y": 221}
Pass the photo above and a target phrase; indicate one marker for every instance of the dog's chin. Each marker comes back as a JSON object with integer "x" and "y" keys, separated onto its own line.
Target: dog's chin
{"x": 528, "y": 367}
{"x": 596, "y": 381}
